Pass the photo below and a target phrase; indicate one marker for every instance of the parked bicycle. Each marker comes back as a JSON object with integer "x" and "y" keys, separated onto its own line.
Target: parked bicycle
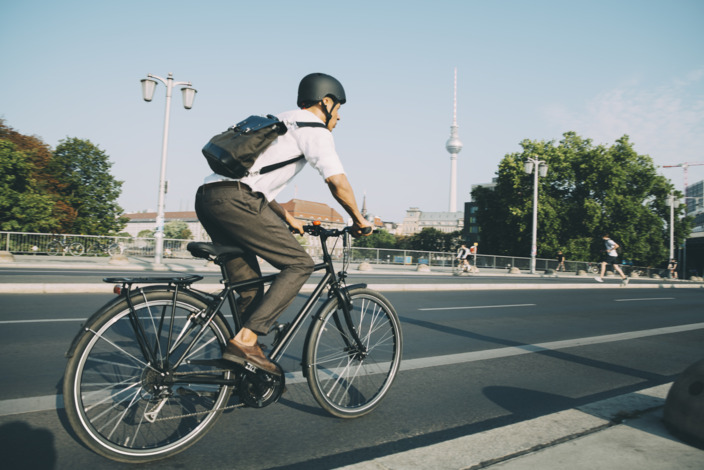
{"x": 145, "y": 378}
{"x": 101, "y": 247}
{"x": 60, "y": 246}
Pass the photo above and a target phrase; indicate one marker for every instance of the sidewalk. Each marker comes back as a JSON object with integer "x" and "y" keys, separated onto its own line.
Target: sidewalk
{"x": 625, "y": 432}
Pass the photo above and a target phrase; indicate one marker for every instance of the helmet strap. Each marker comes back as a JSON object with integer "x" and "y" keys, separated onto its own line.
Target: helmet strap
{"x": 328, "y": 114}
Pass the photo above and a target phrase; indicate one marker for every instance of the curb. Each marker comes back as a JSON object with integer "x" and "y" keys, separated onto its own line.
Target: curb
{"x": 515, "y": 440}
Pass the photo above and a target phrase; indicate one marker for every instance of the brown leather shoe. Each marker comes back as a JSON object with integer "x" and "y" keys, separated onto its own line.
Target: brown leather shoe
{"x": 241, "y": 354}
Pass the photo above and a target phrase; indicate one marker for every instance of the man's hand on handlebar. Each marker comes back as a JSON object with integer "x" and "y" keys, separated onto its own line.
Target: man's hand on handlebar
{"x": 364, "y": 230}
{"x": 296, "y": 226}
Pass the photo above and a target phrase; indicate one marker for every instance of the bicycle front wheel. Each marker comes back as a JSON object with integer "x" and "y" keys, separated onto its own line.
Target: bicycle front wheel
{"x": 352, "y": 362}
{"x": 54, "y": 248}
{"x": 76, "y": 249}
{"x": 130, "y": 409}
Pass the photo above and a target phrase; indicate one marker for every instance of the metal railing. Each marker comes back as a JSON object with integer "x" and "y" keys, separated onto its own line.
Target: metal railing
{"x": 61, "y": 245}
{"x": 87, "y": 245}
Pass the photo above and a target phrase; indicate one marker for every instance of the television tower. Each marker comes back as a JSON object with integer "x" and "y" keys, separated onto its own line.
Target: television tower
{"x": 453, "y": 145}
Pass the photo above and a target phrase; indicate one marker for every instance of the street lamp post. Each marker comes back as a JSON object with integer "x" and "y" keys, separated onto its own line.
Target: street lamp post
{"x": 189, "y": 94}
{"x": 538, "y": 168}
{"x": 674, "y": 202}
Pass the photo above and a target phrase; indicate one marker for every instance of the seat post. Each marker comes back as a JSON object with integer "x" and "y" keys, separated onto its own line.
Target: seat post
{"x": 231, "y": 300}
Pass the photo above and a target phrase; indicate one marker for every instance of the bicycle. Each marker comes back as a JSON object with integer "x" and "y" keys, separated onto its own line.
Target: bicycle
{"x": 99, "y": 248}
{"x": 58, "y": 245}
{"x": 145, "y": 379}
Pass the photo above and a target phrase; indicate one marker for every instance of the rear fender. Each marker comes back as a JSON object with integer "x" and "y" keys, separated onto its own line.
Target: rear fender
{"x": 134, "y": 294}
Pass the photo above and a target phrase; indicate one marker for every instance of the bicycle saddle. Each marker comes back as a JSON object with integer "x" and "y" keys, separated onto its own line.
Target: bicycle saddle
{"x": 206, "y": 250}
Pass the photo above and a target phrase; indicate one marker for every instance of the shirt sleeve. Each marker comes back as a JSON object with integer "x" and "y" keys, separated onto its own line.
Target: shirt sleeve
{"x": 318, "y": 147}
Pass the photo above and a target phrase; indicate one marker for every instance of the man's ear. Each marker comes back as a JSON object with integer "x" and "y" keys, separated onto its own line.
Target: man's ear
{"x": 328, "y": 103}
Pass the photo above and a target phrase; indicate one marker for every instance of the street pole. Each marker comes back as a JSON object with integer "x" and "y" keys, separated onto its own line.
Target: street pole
{"x": 148, "y": 86}
{"x": 538, "y": 168}
{"x": 534, "y": 244}
{"x": 672, "y": 227}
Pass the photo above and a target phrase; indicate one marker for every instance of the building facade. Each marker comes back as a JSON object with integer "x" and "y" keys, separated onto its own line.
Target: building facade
{"x": 416, "y": 220}
{"x": 695, "y": 205}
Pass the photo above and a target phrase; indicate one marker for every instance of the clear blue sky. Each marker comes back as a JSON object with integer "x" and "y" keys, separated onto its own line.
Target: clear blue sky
{"x": 526, "y": 70}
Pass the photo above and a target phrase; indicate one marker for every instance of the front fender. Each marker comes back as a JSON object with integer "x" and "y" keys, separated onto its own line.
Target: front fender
{"x": 317, "y": 317}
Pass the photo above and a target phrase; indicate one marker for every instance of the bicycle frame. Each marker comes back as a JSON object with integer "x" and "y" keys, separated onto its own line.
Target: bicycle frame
{"x": 215, "y": 302}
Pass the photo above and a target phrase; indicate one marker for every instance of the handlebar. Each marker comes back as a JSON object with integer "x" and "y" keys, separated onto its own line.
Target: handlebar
{"x": 319, "y": 230}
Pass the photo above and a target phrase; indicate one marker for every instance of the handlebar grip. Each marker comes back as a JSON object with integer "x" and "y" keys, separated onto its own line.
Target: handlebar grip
{"x": 367, "y": 230}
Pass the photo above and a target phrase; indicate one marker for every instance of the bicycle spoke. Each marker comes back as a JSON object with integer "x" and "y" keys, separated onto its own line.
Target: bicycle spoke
{"x": 129, "y": 409}
{"x": 351, "y": 370}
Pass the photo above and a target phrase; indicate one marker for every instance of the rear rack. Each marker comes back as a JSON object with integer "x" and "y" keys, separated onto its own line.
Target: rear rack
{"x": 177, "y": 280}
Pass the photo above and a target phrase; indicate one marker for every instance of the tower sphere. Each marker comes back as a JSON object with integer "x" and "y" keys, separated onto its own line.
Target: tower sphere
{"x": 454, "y": 144}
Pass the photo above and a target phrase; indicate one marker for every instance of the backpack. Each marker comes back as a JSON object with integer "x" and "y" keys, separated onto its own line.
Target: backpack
{"x": 233, "y": 152}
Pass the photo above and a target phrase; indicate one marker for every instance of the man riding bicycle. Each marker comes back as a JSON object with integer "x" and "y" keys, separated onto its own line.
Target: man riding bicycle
{"x": 244, "y": 213}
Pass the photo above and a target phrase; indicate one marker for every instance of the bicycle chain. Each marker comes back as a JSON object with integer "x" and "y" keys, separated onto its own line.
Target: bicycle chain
{"x": 198, "y": 413}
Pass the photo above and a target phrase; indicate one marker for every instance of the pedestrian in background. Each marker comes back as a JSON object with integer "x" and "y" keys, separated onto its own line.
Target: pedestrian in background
{"x": 610, "y": 257}
{"x": 560, "y": 261}
{"x": 672, "y": 267}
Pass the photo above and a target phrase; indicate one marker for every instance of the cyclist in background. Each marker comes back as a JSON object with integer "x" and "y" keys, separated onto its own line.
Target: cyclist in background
{"x": 462, "y": 255}
{"x": 245, "y": 213}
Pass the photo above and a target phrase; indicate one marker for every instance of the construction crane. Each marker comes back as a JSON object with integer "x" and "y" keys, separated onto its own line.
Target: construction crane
{"x": 684, "y": 166}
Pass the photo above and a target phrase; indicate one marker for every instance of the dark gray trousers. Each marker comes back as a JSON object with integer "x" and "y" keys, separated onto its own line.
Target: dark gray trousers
{"x": 233, "y": 215}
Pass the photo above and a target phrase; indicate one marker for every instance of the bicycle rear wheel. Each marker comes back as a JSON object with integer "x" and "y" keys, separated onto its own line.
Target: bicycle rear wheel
{"x": 129, "y": 410}
{"x": 347, "y": 379}
{"x": 76, "y": 249}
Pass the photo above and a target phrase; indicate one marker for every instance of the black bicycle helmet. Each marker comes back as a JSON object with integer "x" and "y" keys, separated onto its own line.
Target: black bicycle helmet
{"x": 316, "y": 86}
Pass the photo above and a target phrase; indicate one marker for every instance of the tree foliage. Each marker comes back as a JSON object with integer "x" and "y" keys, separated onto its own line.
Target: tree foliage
{"x": 379, "y": 239}
{"x": 23, "y": 207}
{"x": 428, "y": 239}
{"x": 69, "y": 190}
{"x": 87, "y": 187}
{"x": 177, "y": 229}
{"x": 589, "y": 190}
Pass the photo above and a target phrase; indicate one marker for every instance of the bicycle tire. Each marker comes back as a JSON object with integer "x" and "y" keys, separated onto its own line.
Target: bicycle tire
{"x": 109, "y": 389}
{"x": 76, "y": 249}
{"x": 95, "y": 250}
{"x": 54, "y": 248}
{"x": 345, "y": 381}
{"x": 113, "y": 249}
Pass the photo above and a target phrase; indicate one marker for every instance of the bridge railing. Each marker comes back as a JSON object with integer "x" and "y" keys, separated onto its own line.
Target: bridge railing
{"x": 42, "y": 244}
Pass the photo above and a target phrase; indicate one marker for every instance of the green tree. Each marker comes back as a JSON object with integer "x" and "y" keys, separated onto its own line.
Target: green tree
{"x": 145, "y": 234}
{"x": 39, "y": 155}
{"x": 177, "y": 229}
{"x": 87, "y": 187}
{"x": 22, "y": 207}
{"x": 379, "y": 239}
{"x": 589, "y": 190}
{"x": 430, "y": 239}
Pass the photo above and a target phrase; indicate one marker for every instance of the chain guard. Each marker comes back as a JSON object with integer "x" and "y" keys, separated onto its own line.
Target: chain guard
{"x": 259, "y": 389}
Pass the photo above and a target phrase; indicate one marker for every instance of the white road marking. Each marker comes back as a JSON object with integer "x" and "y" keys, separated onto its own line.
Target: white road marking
{"x": 644, "y": 299}
{"x": 52, "y": 402}
{"x": 476, "y": 306}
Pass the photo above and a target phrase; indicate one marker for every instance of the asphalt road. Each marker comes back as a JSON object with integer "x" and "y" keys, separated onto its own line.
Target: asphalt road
{"x": 473, "y": 361}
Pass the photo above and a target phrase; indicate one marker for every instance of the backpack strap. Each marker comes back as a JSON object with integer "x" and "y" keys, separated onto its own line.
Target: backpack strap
{"x": 276, "y": 166}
